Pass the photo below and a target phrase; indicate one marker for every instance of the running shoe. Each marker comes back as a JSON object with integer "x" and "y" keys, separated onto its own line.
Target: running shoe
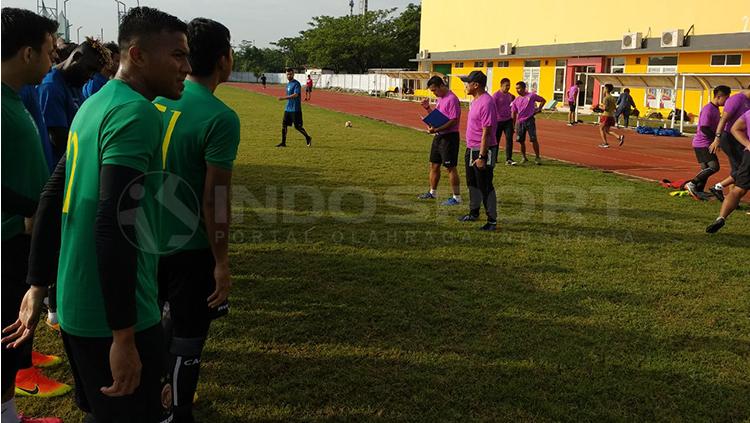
{"x": 489, "y": 226}
{"x": 510, "y": 163}
{"x": 693, "y": 190}
{"x": 468, "y": 218}
{"x": 538, "y": 161}
{"x": 427, "y": 196}
{"x": 621, "y": 138}
{"x": 450, "y": 202}
{"x": 719, "y": 194}
{"x": 24, "y": 419}
{"x": 570, "y": 123}
{"x": 524, "y": 160}
{"x": 309, "y": 141}
{"x": 32, "y": 383}
{"x": 41, "y": 361}
{"x": 716, "y": 226}
{"x": 602, "y": 145}
{"x": 281, "y": 145}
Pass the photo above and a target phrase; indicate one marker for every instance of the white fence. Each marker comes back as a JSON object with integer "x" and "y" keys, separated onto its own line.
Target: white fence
{"x": 354, "y": 82}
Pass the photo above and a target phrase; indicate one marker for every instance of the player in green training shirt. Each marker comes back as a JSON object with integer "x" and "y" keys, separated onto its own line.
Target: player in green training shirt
{"x": 107, "y": 291}
{"x": 27, "y": 49}
{"x": 201, "y": 139}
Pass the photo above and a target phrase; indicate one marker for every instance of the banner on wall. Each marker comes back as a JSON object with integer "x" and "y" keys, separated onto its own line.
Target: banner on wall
{"x": 660, "y": 98}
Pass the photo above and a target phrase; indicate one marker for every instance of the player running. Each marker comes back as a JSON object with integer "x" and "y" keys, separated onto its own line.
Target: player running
{"x": 708, "y": 124}
{"x": 734, "y": 108}
{"x": 741, "y": 132}
{"x": 293, "y": 111}
{"x": 106, "y": 188}
{"x": 27, "y": 48}
{"x": 194, "y": 278}
{"x": 445, "y": 144}
{"x": 607, "y": 120}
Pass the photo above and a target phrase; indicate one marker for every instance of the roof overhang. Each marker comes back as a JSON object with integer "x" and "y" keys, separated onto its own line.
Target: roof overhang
{"x": 692, "y": 81}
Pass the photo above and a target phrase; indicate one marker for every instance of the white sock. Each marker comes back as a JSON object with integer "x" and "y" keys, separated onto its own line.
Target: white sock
{"x": 9, "y": 412}
{"x": 433, "y": 192}
{"x": 719, "y": 186}
{"x": 457, "y": 197}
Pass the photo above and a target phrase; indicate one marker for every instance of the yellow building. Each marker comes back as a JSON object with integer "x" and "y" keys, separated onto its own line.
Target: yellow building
{"x": 552, "y": 43}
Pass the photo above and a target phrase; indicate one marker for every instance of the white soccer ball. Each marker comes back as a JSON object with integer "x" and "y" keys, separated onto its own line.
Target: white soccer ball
{"x": 348, "y": 124}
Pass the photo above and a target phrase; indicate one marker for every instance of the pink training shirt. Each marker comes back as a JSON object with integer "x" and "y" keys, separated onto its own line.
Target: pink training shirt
{"x": 482, "y": 114}
{"x": 735, "y": 107}
{"x": 525, "y": 106}
{"x": 451, "y": 108}
{"x": 502, "y": 105}
{"x": 710, "y": 117}
{"x": 746, "y": 118}
{"x": 572, "y": 94}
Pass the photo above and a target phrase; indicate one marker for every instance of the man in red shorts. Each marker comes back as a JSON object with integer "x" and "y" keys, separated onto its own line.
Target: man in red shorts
{"x": 607, "y": 121}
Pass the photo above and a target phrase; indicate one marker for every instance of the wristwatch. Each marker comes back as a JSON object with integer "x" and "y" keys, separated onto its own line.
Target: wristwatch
{"x": 481, "y": 157}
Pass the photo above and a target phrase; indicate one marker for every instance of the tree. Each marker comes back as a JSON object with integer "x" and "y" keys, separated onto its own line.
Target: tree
{"x": 347, "y": 44}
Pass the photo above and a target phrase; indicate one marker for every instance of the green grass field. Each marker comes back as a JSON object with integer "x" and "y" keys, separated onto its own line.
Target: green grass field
{"x": 600, "y": 298}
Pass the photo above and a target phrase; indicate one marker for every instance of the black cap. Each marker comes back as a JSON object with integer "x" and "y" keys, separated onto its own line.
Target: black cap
{"x": 476, "y": 76}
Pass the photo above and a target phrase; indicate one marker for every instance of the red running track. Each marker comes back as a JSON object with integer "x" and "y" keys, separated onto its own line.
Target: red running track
{"x": 643, "y": 156}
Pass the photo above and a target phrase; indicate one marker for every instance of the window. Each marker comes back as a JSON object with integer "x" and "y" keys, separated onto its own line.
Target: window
{"x": 460, "y": 64}
{"x": 503, "y": 64}
{"x": 561, "y": 63}
{"x": 490, "y": 64}
{"x": 559, "y": 92}
{"x": 616, "y": 64}
{"x": 662, "y": 64}
{"x": 726, "y": 59}
{"x": 531, "y": 63}
{"x": 478, "y": 64}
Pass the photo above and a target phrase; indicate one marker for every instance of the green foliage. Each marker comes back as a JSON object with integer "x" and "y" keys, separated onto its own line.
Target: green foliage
{"x": 347, "y": 44}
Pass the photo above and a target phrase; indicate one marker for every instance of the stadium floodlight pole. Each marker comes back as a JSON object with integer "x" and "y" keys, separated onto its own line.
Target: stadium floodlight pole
{"x": 67, "y": 21}
{"x": 78, "y": 34}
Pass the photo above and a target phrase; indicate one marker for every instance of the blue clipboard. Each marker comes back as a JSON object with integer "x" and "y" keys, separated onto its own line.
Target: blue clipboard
{"x": 436, "y": 119}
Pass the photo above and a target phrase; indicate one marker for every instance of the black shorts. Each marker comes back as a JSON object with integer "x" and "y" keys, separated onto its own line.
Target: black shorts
{"x": 292, "y": 118}
{"x": 444, "y": 149}
{"x": 734, "y": 151}
{"x": 89, "y": 362}
{"x": 505, "y": 127}
{"x": 186, "y": 280}
{"x": 704, "y": 155}
{"x": 572, "y": 105}
{"x": 742, "y": 176}
{"x": 15, "y": 262}
{"x": 308, "y": 89}
{"x": 528, "y": 126}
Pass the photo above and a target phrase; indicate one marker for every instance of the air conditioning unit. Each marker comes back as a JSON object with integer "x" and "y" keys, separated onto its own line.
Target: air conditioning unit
{"x": 672, "y": 38}
{"x": 506, "y": 49}
{"x": 631, "y": 40}
{"x": 424, "y": 54}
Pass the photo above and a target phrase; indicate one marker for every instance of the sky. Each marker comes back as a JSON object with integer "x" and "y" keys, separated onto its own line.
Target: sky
{"x": 261, "y": 21}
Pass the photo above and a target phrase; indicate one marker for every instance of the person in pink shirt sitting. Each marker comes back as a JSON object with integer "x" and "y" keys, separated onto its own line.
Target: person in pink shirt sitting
{"x": 524, "y": 108}
{"x": 573, "y": 101}
{"x": 503, "y": 99}
{"x": 481, "y": 151}
{"x": 741, "y": 133}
